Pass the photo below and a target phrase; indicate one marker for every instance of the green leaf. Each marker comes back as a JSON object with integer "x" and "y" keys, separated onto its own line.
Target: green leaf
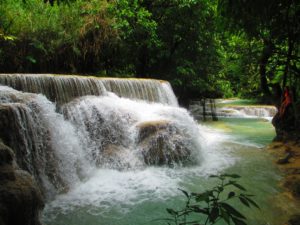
{"x": 220, "y": 189}
{"x": 214, "y": 214}
{"x": 184, "y": 192}
{"x": 197, "y": 209}
{"x": 237, "y": 221}
{"x": 10, "y": 38}
{"x": 31, "y": 59}
{"x": 252, "y": 202}
{"x": 244, "y": 201}
{"x": 231, "y": 175}
{"x": 225, "y": 216}
{"x": 239, "y": 186}
{"x": 202, "y": 197}
{"x": 232, "y": 211}
{"x": 172, "y": 212}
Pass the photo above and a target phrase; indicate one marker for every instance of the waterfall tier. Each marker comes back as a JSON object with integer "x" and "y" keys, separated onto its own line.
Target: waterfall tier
{"x": 208, "y": 109}
{"x": 248, "y": 111}
{"x": 95, "y": 126}
{"x": 64, "y": 88}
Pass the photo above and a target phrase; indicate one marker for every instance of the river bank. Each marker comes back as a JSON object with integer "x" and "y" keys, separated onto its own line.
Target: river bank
{"x": 287, "y": 158}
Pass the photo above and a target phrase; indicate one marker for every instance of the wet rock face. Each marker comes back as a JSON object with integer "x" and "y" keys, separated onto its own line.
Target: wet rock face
{"x": 31, "y": 144}
{"x": 162, "y": 143}
{"x": 20, "y": 197}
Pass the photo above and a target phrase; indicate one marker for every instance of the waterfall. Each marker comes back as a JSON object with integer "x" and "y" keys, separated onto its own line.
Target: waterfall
{"x": 44, "y": 143}
{"x": 202, "y": 110}
{"x": 248, "y": 111}
{"x": 62, "y": 89}
{"x": 100, "y": 123}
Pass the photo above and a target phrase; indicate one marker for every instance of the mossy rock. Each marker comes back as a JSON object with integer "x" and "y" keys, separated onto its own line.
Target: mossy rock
{"x": 162, "y": 143}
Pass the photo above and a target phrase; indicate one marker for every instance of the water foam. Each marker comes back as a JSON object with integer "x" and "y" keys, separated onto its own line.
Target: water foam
{"x": 45, "y": 144}
{"x": 99, "y": 188}
{"x": 107, "y": 122}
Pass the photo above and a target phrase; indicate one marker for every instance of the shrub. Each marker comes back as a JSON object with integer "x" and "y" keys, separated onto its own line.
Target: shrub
{"x": 212, "y": 206}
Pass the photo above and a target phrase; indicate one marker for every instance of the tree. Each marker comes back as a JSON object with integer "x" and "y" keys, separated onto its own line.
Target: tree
{"x": 276, "y": 28}
{"x": 172, "y": 40}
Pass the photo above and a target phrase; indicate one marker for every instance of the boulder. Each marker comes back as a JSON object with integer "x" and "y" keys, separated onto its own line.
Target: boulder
{"x": 162, "y": 143}
{"x": 20, "y": 198}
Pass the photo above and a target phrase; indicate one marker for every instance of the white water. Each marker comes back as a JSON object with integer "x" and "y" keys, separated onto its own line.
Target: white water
{"x": 64, "y": 88}
{"x": 76, "y": 143}
{"x": 245, "y": 111}
{"x": 48, "y": 140}
{"x": 114, "y": 121}
{"x": 103, "y": 190}
{"x": 111, "y": 193}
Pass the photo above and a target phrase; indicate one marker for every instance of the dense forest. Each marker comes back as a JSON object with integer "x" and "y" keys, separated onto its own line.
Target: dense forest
{"x": 205, "y": 48}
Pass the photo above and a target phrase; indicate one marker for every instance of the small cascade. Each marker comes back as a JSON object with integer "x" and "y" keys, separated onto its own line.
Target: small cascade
{"x": 62, "y": 89}
{"x": 210, "y": 109}
{"x": 204, "y": 109}
{"x": 247, "y": 111}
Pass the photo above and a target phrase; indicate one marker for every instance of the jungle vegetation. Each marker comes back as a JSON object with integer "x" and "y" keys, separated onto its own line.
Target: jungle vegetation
{"x": 205, "y": 48}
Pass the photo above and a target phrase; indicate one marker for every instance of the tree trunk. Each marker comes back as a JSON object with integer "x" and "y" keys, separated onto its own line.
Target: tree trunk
{"x": 266, "y": 54}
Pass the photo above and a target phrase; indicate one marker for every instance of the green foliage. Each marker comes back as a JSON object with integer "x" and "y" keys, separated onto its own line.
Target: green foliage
{"x": 274, "y": 31}
{"x": 172, "y": 40}
{"x": 50, "y": 37}
{"x": 239, "y": 73}
{"x": 204, "y": 48}
{"x": 212, "y": 206}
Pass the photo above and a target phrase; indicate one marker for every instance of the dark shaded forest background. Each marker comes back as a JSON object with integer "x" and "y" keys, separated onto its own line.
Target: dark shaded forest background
{"x": 205, "y": 48}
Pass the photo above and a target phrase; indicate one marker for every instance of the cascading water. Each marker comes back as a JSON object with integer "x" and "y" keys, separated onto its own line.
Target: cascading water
{"x": 133, "y": 133}
{"x": 62, "y": 89}
{"x": 227, "y": 108}
{"x": 59, "y": 146}
{"x": 211, "y": 110}
{"x": 44, "y": 143}
{"x": 115, "y": 151}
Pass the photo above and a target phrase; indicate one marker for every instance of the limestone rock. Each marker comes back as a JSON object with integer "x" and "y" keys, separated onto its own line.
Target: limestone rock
{"x": 31, "y": 145}
{"x": 6, "y": 155}
{"x": 20, "y": 197}
{"x": 161, "y": 142}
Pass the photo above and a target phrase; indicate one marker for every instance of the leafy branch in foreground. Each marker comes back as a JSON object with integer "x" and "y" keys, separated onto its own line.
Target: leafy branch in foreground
{"x": 211, "y": 206}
